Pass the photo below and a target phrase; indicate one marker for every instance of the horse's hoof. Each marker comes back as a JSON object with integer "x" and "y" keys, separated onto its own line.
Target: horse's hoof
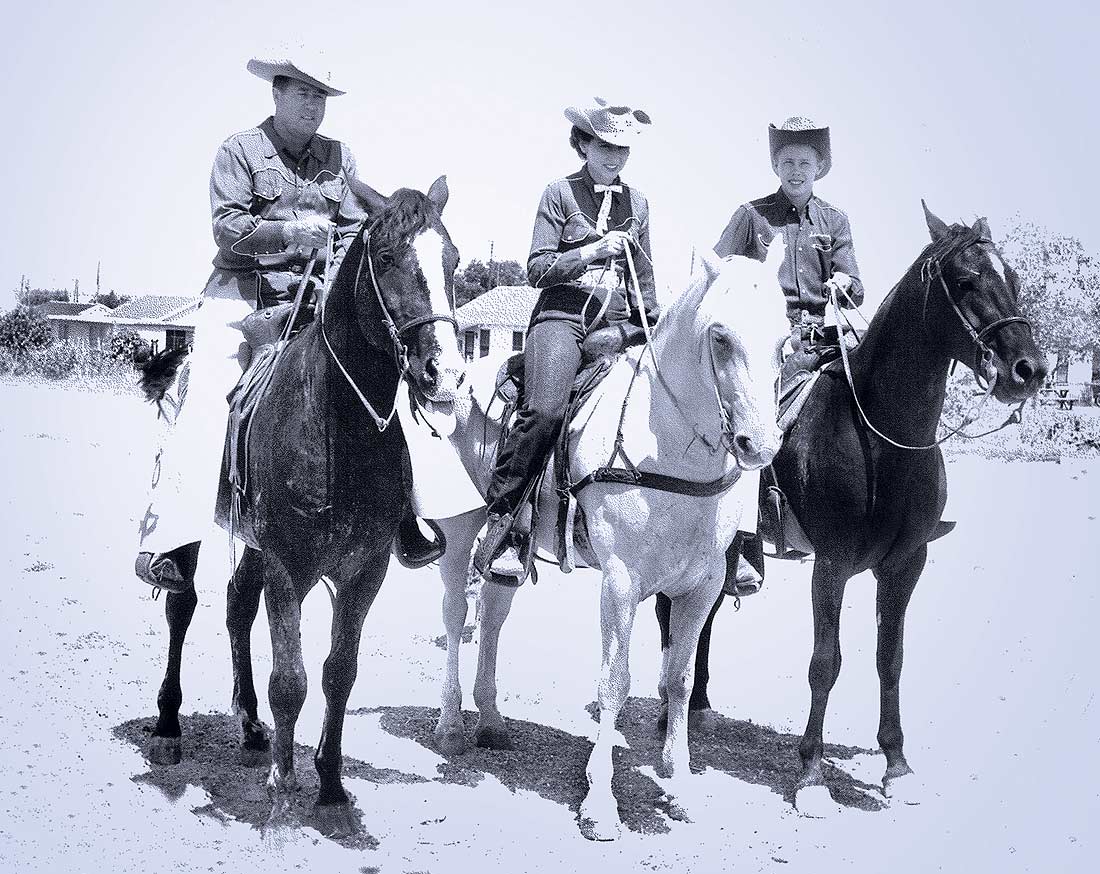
{"x": 494, "y": 737}
{"x": 452, "y": 742}
{"x": 599, "y": 827}
{"x": 704, "y": 721}
{"x": 255, "y": 754}
{"x": 815, "y": 802}
{"x": 336, "y": 820}
{"x": 904, "y": 788}
{"x": 164, "y": 750}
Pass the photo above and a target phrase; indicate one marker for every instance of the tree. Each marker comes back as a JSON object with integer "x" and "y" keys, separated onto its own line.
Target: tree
{"x": 35, "y": 297}
{"x": 127, "y": 345}
{"x": 23, "y": 330}
{"x": 111, "y": 299}
{"x": 1059, "y": 287}
{"x": 478, "y": 277}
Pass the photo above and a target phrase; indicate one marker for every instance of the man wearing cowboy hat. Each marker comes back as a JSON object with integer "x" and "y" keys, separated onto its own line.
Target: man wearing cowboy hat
{"x": 278, "y": 192}
{"x": 819, "y": 260}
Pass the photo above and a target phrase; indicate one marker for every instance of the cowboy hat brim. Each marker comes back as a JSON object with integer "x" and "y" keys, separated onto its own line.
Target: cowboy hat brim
{"x": 817, "y": 137}
{"x": 628, "y": 134}
{"x": 268, "y": 70}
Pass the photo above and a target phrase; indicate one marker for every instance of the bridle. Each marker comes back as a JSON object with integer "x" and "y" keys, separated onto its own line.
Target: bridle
{"x": 984, "y": 371}
{"x": 398, "y": 346}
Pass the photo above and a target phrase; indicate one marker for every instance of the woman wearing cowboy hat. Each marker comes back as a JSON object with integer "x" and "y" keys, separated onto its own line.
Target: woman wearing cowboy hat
{"x": 584, "y": 225}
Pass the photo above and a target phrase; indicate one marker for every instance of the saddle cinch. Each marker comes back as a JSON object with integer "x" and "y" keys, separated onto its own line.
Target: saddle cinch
{"x": 263, "y": 330}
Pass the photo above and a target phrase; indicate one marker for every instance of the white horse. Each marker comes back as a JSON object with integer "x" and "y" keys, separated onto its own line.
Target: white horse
{"x": 701, "y": 407}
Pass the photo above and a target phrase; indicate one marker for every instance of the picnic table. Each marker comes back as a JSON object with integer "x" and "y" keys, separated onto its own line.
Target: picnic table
{"x": 1057, "y": 394}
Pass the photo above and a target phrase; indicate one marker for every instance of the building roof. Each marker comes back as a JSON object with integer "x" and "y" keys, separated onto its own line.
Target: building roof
{"x": 155, "y": 308}
{"x": 506, "y": 306}
{"x": 63, "y": 308}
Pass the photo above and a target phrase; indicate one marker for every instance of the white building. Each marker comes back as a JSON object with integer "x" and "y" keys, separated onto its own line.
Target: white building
{"x": 495, "y": 323}
{"x": 164, "y": 322}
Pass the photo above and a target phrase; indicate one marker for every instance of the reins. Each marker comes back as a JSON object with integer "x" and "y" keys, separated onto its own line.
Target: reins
{"x": 400, "y": 350}
{"x": 983, "y": 357}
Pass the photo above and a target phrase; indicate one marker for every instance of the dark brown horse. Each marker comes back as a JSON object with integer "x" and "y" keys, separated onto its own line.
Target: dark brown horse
{"x": 863, "y": 474}
{"x": 327, "y": 468}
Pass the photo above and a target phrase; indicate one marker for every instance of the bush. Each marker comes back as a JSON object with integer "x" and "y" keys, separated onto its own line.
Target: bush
{"x": 9, "y": 362}
{"x": 59, "y": 360}
{"x": 126, "y": 345}
{"x": 22, "y": 330}
{"x": 1061, "y": 431}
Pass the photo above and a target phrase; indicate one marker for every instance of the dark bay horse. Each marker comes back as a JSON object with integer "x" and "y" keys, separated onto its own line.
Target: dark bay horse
{"x": 863, "y": 474}
{"x": 328, "y": 480}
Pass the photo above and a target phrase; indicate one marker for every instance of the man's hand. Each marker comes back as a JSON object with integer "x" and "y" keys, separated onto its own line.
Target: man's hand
{"x": 611, "y": 244}
{"x": 308, "y": 233}
{"x": 841, "y": 284}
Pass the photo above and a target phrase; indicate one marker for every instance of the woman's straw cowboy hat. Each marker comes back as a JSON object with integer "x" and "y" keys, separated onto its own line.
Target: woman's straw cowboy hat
{"x": 269, "y": 69}
{"x": 617, "y": 125}
{"x": 797, "y": 130}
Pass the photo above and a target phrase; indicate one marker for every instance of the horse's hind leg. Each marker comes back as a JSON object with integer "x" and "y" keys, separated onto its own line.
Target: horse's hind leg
{"x": 811, "y": 795}
{"x": 165, "y": 746}
{"x": 895, "y": 586}
{"x": 353, "y": 600}
{"x": 242, "y": 604}
{"x": 460, "y": 531}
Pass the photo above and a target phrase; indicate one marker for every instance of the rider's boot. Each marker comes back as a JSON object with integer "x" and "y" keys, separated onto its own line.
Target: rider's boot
{"x": 496, "y": 558}
{"x": 173, "y": 571}
{"x": 411, "y": 548}
{"x": 744, "y": 565}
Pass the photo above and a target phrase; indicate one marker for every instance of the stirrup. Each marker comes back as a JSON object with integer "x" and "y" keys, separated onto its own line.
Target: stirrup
{"x": 161, "y": 572}
{"x": 745, "y": 581}
{"x": 507, "y": 569}
{"x": 492, "y": 542}
{"x": 412, "y": 549}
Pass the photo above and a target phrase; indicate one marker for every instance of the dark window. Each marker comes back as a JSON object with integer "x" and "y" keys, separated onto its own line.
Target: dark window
{"x": 517, "y": 341}
{"x": 469, "y": 341}
{"x": 174, "y": 339}
{"x": 484, "y": 344}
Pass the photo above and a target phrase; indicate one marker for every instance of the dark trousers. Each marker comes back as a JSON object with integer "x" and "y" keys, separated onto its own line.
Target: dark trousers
{"x": 550, "y": 363}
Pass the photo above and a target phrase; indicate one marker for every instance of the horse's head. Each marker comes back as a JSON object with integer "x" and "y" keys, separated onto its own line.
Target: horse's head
{"x": 734, "y": 312}
{"x": 410, "y": 261}
{"x": 977, "y": 319}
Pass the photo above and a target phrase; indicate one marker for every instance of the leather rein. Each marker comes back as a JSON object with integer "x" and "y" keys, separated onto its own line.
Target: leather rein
{"x": 984, "y": 371}
{"x": 398, "y": 347}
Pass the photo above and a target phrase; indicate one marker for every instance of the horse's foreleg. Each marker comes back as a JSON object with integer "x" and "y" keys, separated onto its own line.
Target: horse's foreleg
{"x": 460, "y": 531}
{"x": 895, "y": 586}
{"x": 496, "y": 603}
{"x": 286, "y": 688}
{"x": 242, "y": 604}
{"x": 689, "y": 612}
{"x": 811, "y": 795}
{"x": 353, "y": 600}
{"x": 599, "y": 814}
{"x": 700, "y": 714}
{"x": 165, "y": 747}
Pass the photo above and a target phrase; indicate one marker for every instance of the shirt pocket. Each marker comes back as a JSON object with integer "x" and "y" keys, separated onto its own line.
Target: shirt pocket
{"x": 267, "y": 185}
{"x": 577, "y": 229}
{"x": 332, "y": 189}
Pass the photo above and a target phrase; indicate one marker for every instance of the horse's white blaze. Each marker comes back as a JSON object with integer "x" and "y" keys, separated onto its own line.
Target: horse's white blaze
{"x": 998, "y": 264}
{"x": 450, "y": 364}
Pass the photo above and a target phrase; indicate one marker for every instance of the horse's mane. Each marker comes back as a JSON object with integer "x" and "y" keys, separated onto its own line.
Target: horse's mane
{"x": 407, "y": 213}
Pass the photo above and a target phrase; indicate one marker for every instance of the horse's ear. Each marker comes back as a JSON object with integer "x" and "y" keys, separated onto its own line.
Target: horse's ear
{"x": 981, "y": 228}
{"x": 936, "y": 226}
{"x": 439, "y": 192}
{"x": 370, "y": 198}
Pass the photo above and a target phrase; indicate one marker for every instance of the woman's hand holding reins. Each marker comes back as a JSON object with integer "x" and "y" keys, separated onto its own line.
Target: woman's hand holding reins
{"x": 610, "y": 245}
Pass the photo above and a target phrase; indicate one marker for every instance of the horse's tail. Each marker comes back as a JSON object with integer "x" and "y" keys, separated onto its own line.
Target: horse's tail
{"x": 158, "y": 372}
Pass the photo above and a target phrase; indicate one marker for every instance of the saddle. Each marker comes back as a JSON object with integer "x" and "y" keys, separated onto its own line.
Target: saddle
{"x": 264, "y": 331}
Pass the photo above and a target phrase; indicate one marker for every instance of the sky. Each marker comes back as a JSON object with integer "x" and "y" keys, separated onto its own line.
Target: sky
{"x": 116, "y": 109}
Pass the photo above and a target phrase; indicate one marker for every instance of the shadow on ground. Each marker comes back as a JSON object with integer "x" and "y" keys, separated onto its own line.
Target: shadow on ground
{"x": 239, "y": 792}
{"x": 551, "y": 762}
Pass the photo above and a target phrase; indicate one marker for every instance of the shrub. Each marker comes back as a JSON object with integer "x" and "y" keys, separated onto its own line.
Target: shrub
{"x": 126, "y": 345}
{"x": 1061, "y": 431}
{"x": 9, "y": 362}
{"x": 59, "y": 360}
{"x": 22, "y": 330}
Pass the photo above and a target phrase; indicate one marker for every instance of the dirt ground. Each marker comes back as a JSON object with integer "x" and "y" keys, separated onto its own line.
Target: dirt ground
{"x": 998, "y": 699}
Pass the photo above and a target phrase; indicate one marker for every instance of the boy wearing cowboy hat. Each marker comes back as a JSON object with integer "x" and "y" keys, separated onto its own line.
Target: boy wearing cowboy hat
{"x": 819, "y": 260}
{"x": 278, "y": 192}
